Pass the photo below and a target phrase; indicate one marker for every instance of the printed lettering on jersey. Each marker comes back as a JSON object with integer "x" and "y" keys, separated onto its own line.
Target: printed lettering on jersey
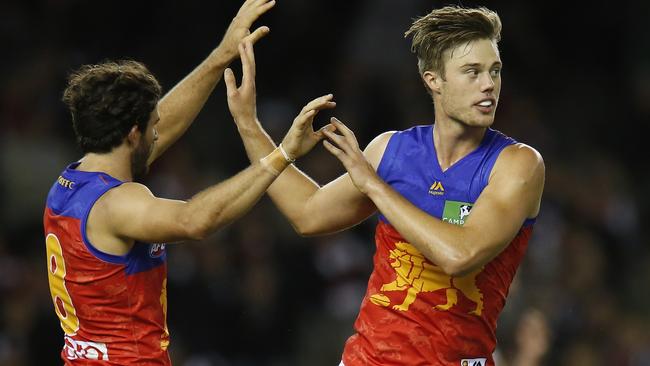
{"x": 156, "y": 250}
{"x": 437, "y": 189}
{"x": 74, "y": 350}
{"x": 455, "y": 212}
{"x": 414, "y": 275}
{"x": 66, "y": 183}
{"x": 473, "y": 362}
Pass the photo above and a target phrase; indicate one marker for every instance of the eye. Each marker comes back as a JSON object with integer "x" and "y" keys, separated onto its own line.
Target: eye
{"x": 495, "y": 72}
{"x": 472, "y": 72}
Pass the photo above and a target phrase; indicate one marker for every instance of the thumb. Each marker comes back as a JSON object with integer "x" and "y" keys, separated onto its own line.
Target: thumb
{"x": 231, "y": 83}
{"x": 258, "y": 34}
{"x": 304, "y": 120}
{"x": 329, "y": 127}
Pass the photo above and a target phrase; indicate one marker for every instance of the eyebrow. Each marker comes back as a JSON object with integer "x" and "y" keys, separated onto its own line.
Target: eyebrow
{"x": 477, "y": 64}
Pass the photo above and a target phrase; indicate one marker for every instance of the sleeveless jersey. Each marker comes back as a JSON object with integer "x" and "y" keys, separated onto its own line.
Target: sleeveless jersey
{"x": 112, "y": 308}
{"x": 413, "y": 313}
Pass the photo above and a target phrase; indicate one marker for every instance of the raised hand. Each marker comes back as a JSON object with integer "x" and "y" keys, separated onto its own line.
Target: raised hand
{"x": 301, "y": 137}
{"x": 240, "y": 26}
{"x": 346, "y": 148}
{"x": 241, "y": 101}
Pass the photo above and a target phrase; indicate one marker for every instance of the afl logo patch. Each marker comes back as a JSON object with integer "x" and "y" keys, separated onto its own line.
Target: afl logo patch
{"x": 156, "y": 250}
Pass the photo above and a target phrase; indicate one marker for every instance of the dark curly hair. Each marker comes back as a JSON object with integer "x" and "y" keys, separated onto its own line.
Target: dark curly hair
{"x": 106, "y": 100}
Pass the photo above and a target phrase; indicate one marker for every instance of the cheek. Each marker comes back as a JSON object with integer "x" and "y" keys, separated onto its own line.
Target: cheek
{"x": 455, "y": 98}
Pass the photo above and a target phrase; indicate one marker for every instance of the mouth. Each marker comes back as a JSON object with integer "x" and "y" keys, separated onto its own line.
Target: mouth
{"x": 486, "y": 105}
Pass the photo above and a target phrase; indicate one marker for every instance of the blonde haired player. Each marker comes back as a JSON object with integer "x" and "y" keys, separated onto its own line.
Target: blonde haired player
{"x": 457, "y": 201}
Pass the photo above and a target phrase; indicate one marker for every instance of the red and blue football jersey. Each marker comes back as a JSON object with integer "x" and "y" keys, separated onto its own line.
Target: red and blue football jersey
{"x": 112, "y": 308}
{"x": 413, "y": 313}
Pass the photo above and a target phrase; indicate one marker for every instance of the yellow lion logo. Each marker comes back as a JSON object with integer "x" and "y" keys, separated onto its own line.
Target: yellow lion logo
{"x": 415, "y": 275}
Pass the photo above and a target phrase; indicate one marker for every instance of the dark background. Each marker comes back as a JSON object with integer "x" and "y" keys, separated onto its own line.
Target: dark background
{"x": 576, "y": 86}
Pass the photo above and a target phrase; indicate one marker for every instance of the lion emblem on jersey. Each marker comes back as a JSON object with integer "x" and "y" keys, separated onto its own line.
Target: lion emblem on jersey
{"x": 416, "y": 275}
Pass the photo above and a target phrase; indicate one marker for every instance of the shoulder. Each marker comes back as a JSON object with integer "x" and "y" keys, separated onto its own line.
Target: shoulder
{"x": 129, "y": 190}
{"x": 520, "y": 160}
{"x": 124, "y": 198}
{"x": 375, "y": 149}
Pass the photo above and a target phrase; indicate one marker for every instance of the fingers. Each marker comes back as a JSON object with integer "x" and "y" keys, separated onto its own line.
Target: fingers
{"x": 320, "y": 134}
{"x": 345, "y": 131}
{"x": 308, "y": 112}
{"x": 323, "y": 102}
{"x": 247, "y": 57}
{"x": 333, "y": 149}
{"x": 258, "y": 34}
{"x": 252, "y": 9}
{"x": 341, "y": 126}
{"x": 339, "y": 140}
{"x": 231, "y": 82}
{"x": 303, "y": 119}
{"x": 250, "y": 53}
{"x": 265, "y": 7}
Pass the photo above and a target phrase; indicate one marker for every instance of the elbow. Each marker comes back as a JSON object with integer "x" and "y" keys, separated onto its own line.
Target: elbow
{"x": 453, "y": 268}
{"x": 303, "y": 230}
{"x": 459, "y": 265}
{"x": 456, "y": 270}
{"x": 301, "y": 226}
{"x": 461, "y": 260}
{"x": 311, "y": 228}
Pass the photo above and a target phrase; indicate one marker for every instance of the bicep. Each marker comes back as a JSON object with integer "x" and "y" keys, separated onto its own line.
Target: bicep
{"x": 512, "y": 196}
{"x": 135, "y": 213}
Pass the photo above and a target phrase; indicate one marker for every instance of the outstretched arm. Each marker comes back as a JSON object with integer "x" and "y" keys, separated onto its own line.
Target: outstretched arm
{"x": 130, "y": 212}
{"x": 512, "y": 195}
{"x": 180, "y": 106}
{"x": 311, "y": 209}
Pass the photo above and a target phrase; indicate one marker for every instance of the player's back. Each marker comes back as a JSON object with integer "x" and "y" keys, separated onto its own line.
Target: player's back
{"x": 414, "y": 313}
{"x": 112, "y": 308}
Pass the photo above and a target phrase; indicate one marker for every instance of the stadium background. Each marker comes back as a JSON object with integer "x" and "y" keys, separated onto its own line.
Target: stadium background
{"x": 576, "y": 85}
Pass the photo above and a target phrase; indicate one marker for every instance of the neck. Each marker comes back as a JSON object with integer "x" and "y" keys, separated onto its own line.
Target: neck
{"x": 116, "y": 163}
{"x": 454, "y": 140}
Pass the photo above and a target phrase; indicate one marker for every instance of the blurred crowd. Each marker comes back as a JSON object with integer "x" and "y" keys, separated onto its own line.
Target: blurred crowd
{"x": 576, "y": 86}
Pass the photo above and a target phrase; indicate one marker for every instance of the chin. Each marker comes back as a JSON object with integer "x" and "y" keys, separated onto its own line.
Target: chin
{"x": 483, "y": 121}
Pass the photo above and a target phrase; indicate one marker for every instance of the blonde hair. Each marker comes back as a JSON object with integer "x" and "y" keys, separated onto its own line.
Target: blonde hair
{"x": 446, "y": 28}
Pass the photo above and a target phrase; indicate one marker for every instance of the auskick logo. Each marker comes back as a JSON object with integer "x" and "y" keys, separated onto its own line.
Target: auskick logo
{"x": 473, "y": 362}
{"x": 456, "y": 212}
{"x": 437, "y": 189}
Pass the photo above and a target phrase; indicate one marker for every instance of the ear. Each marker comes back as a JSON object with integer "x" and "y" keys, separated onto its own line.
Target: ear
{"x": 433, "y": 81}
{"x": 134, "y": 136}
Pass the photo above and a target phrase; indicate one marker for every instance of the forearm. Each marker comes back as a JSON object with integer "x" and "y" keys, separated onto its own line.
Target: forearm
{"x": 227, "y": 201}
{"x": 180, "y": 106}
{"x": 256, "y": 141}
{"x": 292, "y": 191}
{"x": 442, "y": 243}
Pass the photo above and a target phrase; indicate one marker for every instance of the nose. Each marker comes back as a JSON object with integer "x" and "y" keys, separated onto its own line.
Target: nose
{"x": 487, "y": 83}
